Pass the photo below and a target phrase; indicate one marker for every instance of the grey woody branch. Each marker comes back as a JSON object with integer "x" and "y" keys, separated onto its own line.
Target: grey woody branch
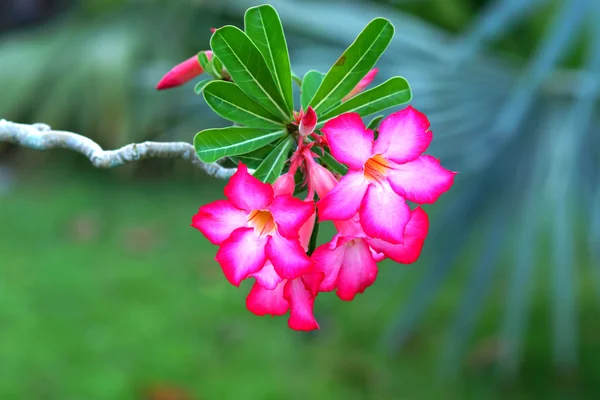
{"x": 42, "y": 137}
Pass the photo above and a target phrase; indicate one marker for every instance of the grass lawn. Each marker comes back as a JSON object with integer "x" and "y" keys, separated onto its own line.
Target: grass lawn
{"x": 106, "y": 292}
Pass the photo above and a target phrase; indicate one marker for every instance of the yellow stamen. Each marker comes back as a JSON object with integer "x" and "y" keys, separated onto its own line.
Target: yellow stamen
{"x": 262, "y": 221}
{"x": 376, "y": 168}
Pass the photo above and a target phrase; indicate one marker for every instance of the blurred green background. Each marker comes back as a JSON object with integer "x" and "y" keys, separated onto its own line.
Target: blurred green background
{"x": 106, "y": 292}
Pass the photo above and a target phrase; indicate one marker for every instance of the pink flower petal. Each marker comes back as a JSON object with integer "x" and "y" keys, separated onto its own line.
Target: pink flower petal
{"x": 328, "y": 261}
{"x": 288, "y": 257}
{"x": 246, "y": 192}
{"x": 261, "y": 301}
{"x": 267, "y": 277}
{"x": 414, "y": 237}
{"x": 344, "y": 200}
{"x": 242, "y": 254}
{"x": 358, "y": 271}
{"x": 422, "y": 180}
{"x": 218, "y": 219}
{"x": 301, "y": 306}
{"x": 350, "y": 142}
{"x": 312, "y": 282}
{"x": 290, "y": 214}
{"x": 306, "y": 230}
{"x": 182, "y": 73}
{"x": 284, "y": 185}
{"x": 362, "y": 84}
{"x": 403, "y": 136}
{"x": 384, "y": 214}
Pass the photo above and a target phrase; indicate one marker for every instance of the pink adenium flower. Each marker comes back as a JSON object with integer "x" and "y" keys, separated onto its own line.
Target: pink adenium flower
{"x": 362, "y": 85}
{"x": 383, "y": 173}
{"x": 274, "y": 295}
{"x": 182, "y": 73}
{"x": 255, "y": 225}
{"x": 308, "y": 122}
{"x": 349, "y": 260}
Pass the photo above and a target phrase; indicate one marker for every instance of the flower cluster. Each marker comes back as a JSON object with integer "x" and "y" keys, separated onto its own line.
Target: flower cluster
{"x": 263, "y": 232}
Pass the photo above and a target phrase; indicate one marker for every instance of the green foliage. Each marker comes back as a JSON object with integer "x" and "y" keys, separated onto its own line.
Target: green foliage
{"x": 230, "y": 102}
{"x": 391, "y": 93}
{"x": 264, "y": 28}
{"x": 248, "y": 69}
{"x": 311, "y": 82}
{"x": 214, "y": 144}
{"x": 272, "y": 165}
{"x": 353, "y": 64}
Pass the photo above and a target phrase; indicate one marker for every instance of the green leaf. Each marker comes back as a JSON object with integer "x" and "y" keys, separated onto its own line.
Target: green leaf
{"x": 254, "y": 158}
{"x": 354, "y": 64}
{"x": 209, "y": 65}
{"x": 231, "y": 103}
{"x": 297, "y": 79}
{"x": 248, "y": 69}
{"x": 375, "y": 122}
{"x": 391, "y": 93}
{"x": 333, "y": 164}
{"x": 216, "y": 143}
{"x": 310, "y": 84}
{"x": 270, "y": 169}
{"x": 263, "y": 27}
{"x": 217, "y": 65}
{"x": 200, "y": 86}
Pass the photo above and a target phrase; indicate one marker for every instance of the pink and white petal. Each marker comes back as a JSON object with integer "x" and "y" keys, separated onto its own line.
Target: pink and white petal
{"x": 384, "y": 214}
{"x": 242, "y": 254}
{"x": 328, "y": 261}
{"x": 422, "y": 180}
{"x": 358, "y": 271}
{"x": 344, "y": 200}
{"x": 403, "y": 136}
{"x": 377, "y": 256}
{"x": 218, "y": 219}
{"x": 414, "y": 238}
{"x": 267, "y": 277}
{"x": 284, "y": 185}
{"x": 312, "y": 281}
{"x": 262, "y": 301}
{"x": 288, "y": 257}
{"x": 306, "y": 231}
{"x": 246, "y": 192}
{"x": 290, "y": 214}
{"x": 350, "y": 142}
{"x": 301, "y": 306}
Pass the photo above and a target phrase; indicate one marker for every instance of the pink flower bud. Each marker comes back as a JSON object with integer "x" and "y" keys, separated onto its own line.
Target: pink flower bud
{"x": 320, "y": 179}
{"x": 284, "y": 185}
{"x": 182, "y": 73}
{"x": 308, "y": 122}
{"x": 362, "y": 85}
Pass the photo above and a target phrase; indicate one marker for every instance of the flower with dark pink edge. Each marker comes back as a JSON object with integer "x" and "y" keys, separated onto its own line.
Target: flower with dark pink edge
{"x": 382, "y": 173}
{"x": 255, "y": 225}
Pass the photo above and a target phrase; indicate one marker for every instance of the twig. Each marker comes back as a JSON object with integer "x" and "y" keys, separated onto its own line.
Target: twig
{"x": 42, "y": 137}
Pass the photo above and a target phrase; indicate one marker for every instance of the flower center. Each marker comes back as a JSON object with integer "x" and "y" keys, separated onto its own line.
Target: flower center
{"x": 376, "y": 168}
{"x": 262, "y": 221}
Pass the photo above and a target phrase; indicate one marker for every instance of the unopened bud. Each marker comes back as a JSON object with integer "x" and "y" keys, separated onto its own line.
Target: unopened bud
{"x": 308, "y": 122}
{"x": 182, "y": 73}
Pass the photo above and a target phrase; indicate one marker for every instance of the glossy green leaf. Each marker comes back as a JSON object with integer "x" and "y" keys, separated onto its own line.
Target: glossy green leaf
{"x": 263, "y": 27}
{"x": 333, "y": 164}
{"x": 374, "y": 123}
{"x": 297, "y": 79}
{"x": 207, "y": 65}
{"x": 217, "y": 65}
{"x": 254, "y": 158}
{"x": 391, "y": 93}
{"x": 200, "y": 85}
{"x": 270, "y": 169}
{"x": 310, "y": 84}
{"x": 354, "y": 64}
{"x": 216, "y": 143}
{"x": 248, "y": 69}
{"x": 231, "y": 103}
